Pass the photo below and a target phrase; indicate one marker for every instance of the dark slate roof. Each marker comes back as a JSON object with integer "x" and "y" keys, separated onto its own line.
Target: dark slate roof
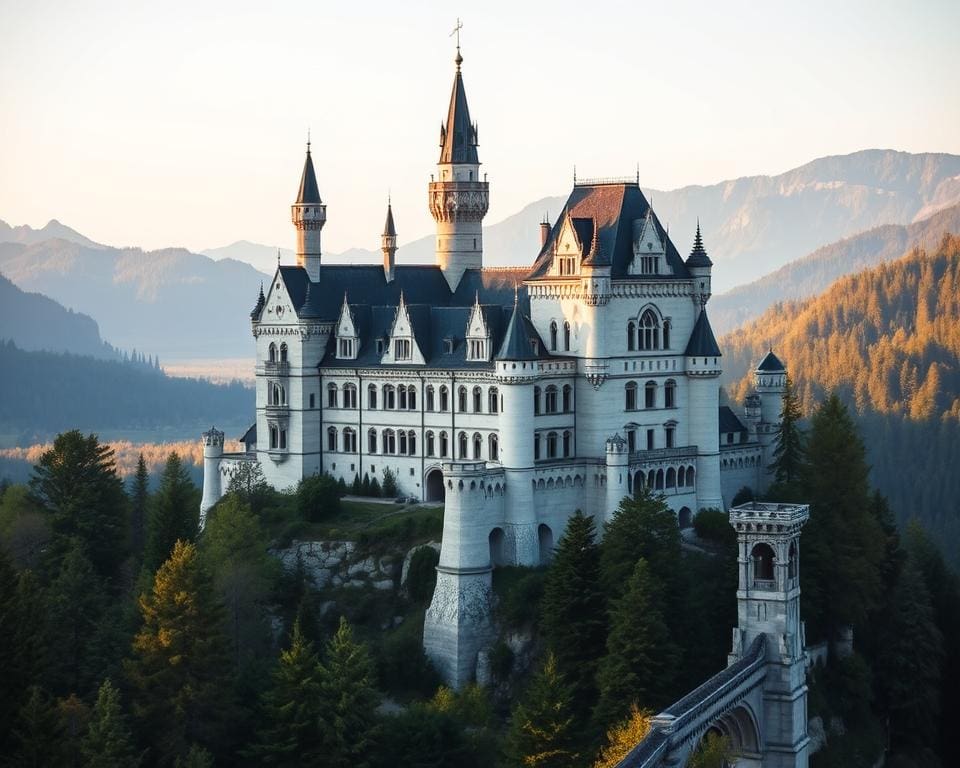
{"x": 309, "y": 192}
{"x": 458, "y": 138}
{"x": 771, "y": 363}
{"x": 698, "y": 256}
{"x": 250, "y": 436}
{"x": 702, "y": 341}
{"x": 612, "y": 208}
{"x": 729, "y": 421}
{"x": 388, "y": 227}
{"x": 516, "y": 341}
{"x": 258, "y": 307}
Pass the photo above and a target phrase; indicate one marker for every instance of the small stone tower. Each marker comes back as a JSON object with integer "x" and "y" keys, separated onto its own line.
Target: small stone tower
{"x": 700, "y": 266}
{"x": 212, "y": 453}
{"x": 388, "y": 244}
{"x": 458, "y": 199}
{"x": 770, "y": 383}
{"x": 618, "y": 457}
{"x": 768, "y": 604}
{"x": 309, "y": 214}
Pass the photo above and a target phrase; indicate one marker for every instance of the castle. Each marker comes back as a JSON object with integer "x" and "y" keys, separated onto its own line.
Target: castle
{"x": 515, "y": 396}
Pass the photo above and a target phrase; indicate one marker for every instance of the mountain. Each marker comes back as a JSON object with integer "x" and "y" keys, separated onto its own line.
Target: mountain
{"x": 53, "y": 229}
{"x": 34, "y": 322}
{"x": 813, "y": 273}
{"x": 261, "y": 257}
{"x": 171, "y": 302}
{"x": 888, "y": 341}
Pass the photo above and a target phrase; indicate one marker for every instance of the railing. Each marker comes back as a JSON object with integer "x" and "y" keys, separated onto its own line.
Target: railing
{"x": 278, "y": 409}
{"x": 659, "y": 454}
{"x": 769, "y": 585}
{"x": 276, "y": 367}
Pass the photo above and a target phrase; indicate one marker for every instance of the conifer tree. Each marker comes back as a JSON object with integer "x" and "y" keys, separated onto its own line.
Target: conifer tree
{"x": 174, "y": 515}
{"x": 574, "y": 613}
{"x": 623, "y": 737}
{"x": 350, "y": 701}
{"x": 10, "y": 649}
{"x": 789, "y": 451}
{"x": 36, "y": 733}
{"x": 139, "y": 498}
{"x": 292, "y": 708}
{"x": 541, "y": 729}
{"x": 108, "y": 742}
{"x": 641, "y": 661}
{"x": 178, "y": 670}
{"x": 77, "y": 484}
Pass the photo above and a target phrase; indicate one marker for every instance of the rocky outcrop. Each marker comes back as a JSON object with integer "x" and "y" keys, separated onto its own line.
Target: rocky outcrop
{"x": 340, "y": 564}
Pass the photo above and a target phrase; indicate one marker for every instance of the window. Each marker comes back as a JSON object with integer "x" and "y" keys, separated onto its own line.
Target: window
{"x": 566, "y": 336}
{"x": 551, "y": 445}
{"x": 272, "y": 354}
{"x": 380, "y": 346}
{"x": 567, "y": 444}
{"x": 372, "y": 397}
{"x": 345, "y": 349}
{"x": 553, "y": 336}
{"x": 631, "y": 336}
{"x": 331, "y": 439}
{"x": 444, "y": 399}
{"x": 477, "y": 445}
{"x": 462, "y": 399}
{"x": 666, "y": 334}
{"x": 493, "y": 448}
{"x": 274, "y": 442}
{"x": 631, "y": 395}
{"x": 536, "y": 446}
{"x": 477, "y": 400}
{"x": 448, "y": 346}
{"x": 493, "y": 400}
{"x": 568, "y": 265}
{"x": 430, "y": 403}
{"x": 389, "y": 441}
{"x": 649, "y": 264}
{"x": 389, "y": 397}
{"x": 649, "y": 331}
{"x": 349, "y": 440}
{"x": 462, "y": 445}
{"x": 670, "y": 394}
{"x": 403, "y": 442}
{"x": 430, "y": 443}
{"x": 551, "y": 399}
{"x": 412, "y": 397}
{"x": 312, "y": 400}
{"x": 762, "y": 556}
{"x": 372, "y": 441}
{"x": 536, "y": 401}
{"x": 401, "y": 349}
{"x": 331, "y": 395}
{"x": 276, "y": 395}
{"x": 650, "y": 394}
{"x": 567, "y": 398}
{"x": 349, "y": 396}
{"x": 283, "y": 355}
{"x": 443, "y": 444}
{"x": 478, "y": 349}
{"x": 670, "y": 432}
{"x": 283, "y": 439}
{"x": 650, "y": 439}
{"x": 402, "y": 397}
{"x": 631, "y": 440}
{"x": 412, "y": 443}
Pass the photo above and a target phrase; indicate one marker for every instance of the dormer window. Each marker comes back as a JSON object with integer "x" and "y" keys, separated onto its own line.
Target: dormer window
{"x": 477, "y": 349}
{"x": 448, "y": 346}
{"x": 568, "y": 266}
{"x": 401, "y": 349}
{"x": 345, "y": 349}
{"x": 477, "y": 335}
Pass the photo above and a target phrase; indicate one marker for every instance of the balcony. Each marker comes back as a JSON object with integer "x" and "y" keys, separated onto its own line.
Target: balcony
{"x": 278, "y": 410}
{"x": 663, "y": 454}
{"x": 767, "y": 585}
{"x": 276, "y": 368}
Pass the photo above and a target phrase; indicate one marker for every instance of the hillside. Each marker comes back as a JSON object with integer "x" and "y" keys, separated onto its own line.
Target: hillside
{"x": 813, "y": 273}
{"x": 888, "y": 340}
{"x": 172, "y": 302}
{"x": 34, "y": 322}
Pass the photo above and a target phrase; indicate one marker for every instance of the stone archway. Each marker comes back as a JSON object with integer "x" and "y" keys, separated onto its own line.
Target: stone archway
{"x": 740, "y": 729}
{"x": 497, "y": 554}
{"x": 545, "y": 540}
{"x": 685, "y": 517}
{"x": 435, "y": 488}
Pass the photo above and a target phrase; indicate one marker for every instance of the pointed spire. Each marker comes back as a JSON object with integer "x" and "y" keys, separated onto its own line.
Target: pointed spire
{"x": 389, "y": 230}
{"x": 261, "y": 301}
{"x": 458, "y": 137}
{"x": 516, "y": 341}
{"x": 698, "y": 255}
{"x": 309, "y": 192}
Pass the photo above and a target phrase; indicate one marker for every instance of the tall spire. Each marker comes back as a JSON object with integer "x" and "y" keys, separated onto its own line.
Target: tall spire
{"x": 388, "y": 244}
{"x": 309, "y": 192}
{"x": 458, "y": 137}
{"x": 698, "y": 255}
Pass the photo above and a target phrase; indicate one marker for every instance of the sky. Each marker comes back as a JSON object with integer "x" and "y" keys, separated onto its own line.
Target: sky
{"x": 172, "y": 123}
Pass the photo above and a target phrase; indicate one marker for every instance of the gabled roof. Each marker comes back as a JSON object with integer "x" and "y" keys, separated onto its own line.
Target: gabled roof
{"x": 729, "y": 421}
{"x": 458, "y": 137}
{"x": 611, "y": 208}
{"x": 702, "y": 341}
{"x": 771, "y": 363}
{"x": 309, "y": 192}
{"x": 698, "y": 255}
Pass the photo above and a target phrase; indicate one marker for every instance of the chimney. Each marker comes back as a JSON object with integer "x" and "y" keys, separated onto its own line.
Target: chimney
{"x": 544, "y": 231}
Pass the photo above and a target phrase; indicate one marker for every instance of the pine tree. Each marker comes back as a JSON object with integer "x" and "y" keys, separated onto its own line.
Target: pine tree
{"x": 574, "y": 614}
{"x": 623, "y": 737}
{"x": 179, "y": 670}
{"x": 139, "y": 499}
{"x": 108, "y": 742}
{"x": 174, "y": 515}
{"x": 541, "y": 729}
{"x": 789, "y": 453}
{"x": 10, "y": 650}
{"x": 350, "y": 701}
{"x": 641, "y": 661}
{"x": 77, "y": 484}
{"x": 292, "y": 707}
{"x": 36, "y": 733}
{"x": 389, "y": 485}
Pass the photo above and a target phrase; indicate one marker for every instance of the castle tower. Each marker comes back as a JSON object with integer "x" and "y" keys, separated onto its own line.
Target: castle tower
{"x": 388, "y": 244}
{"x": 618, "y": 458}
{"x": 309, "y": 214}
{"x": 770, "y": 383}
{"x": 768, "y": 605}
{"x": 212, "y": 487}
{"x": 700, "y": 267}
{"x": 458, "y": 199}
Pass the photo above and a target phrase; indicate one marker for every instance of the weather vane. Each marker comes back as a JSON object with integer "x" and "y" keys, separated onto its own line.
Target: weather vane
{"x": 456, "y": 31}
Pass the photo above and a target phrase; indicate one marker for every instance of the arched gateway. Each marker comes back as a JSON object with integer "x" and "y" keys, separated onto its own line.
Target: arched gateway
{"x": 435, "y": 489}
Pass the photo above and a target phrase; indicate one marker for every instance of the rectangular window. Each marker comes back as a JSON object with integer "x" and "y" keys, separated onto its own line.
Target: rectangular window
{"x": 536, "y": 447}
{"x": 670, "y": 433}
{"x": 632, "y": 440}
{"x": 401, "y": 349}
{"x": 649, "y": 439}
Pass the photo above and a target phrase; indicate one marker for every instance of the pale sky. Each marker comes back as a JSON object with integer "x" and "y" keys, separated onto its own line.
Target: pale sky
{"x": 183, "y": 123}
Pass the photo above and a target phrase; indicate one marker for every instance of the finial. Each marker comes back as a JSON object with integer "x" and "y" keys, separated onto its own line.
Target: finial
{"x": 308, "y": 139}
{"x": 456, "y": 31}
{"x": 278, "y": 257}
{"x": 574, "y": 173}
{"x": 638, "y": 174}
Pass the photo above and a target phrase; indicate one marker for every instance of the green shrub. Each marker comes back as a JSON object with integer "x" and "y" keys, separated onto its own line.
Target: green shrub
{"x": 389, "y": 483}
{"x": 501, "y": 660}
{"x": 357, "y": 487}
{"x": 713, "y": 525}
{"x": 342, "y": 487}
{"x": 375, "y": 488}
{"x": 744, "y": 496}
{"x": 318, "y": 498}
{"x": 402, "y": 666}
{"x": 422, "y": 574}
{"x": 365, "y": 485}
{"x": 520, "y": 591}
{"x": 291, "y": 531}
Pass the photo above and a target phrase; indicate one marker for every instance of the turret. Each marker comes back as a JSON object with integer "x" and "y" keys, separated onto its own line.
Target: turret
{"x": 309, "y": 214}
{"x": 703, "y": 365}
{"x": 212, "y": 486}
{"x": 458, "y": 199}
{"x": 618, "y": 457}
{"x": 770, "y": 382}
{"x": 700, "y": 267}
{"x": 388, "y": 244}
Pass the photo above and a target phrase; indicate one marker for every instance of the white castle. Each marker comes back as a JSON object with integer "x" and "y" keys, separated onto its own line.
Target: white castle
{"x": 514, "y": 395}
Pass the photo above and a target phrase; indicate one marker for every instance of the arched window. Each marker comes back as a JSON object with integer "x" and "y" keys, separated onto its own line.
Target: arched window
{"x": 272, "y": 353}
{"x": 331, "y": 438}
{"x": 444, "y": 398}
{"x": 630, "y": 390}
{"x": 412, "y": 397}
{"x": 551, "y": 399}
{"x": 349, "y": 396}
{"x": 671, "y": 478}
{"x": 567, "y": 444}
{"x": 691, "y": 477}
{"x": 681, "y": 477}
{"x": 631, "y": 336}
{"x": 670, "y": 394}
{"x": 493, "y": 447}
{"x": 462, "y": 399}
{"x": 462, "y": 445}
{"x": 372, "y": 397}
{"x": 551, "y": 445}
{"x": 349, "y": 440}
{"x": 273, "y": 438}
{"x": 430, "y": 443}
{"x": 477, "y": 445}
{"x": 443, "y": 445}
{"x": 430, "y": 400}
{"x": 283, "y": 439}
{"x": 670, "y": 435}
{"x": 403, "y": 442}
{"x": 553, "y": 336}
{"x": 666, "y": 334}
{"x": 650, "y": 394}
{"x": 649, "y": 330}
{"x": 763, "y": 558}
{"x": 659, "y": 479}
{"x": 536, "y": 401}
{"x": 331, "y": 395}
{"x": 389, "y": 397}
{"x": 372, "y": 441}
{"x": 283, "y": 352}
{"x": 792, "y": 561}
{"x": 566, "y": 336}
{"x": 567, "y": 398}
{"x": 493, "y": 400}
{"x": 412, "y": 443}
{"x": 477, "y": 400}
{"x": 389, "y": 441}
{"x": 402, "y": 397}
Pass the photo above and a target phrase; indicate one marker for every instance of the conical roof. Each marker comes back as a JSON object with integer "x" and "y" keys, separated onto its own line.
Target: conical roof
{"x": 388, "y": 226}
{"x": 702, "y": 341}
{"x": 309, "y": 192}
{"x": 698, "y": 256}
{"x": 516, "y": 343}
{"x": 770, "y": 363}
{"x": 458, "y": 138}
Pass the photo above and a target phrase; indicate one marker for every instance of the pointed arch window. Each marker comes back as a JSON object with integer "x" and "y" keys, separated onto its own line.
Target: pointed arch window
{"x": 631, "y": 336}
{"x": 444, "y": 398}
{"x": 477, "y": 445}
{"x": 430, "y": 443}
{"x": 493, "y": 400}
{"x": 462, "y": 399}
{"x": 630, "y": 390}
{"x": 283, "y": 352}
{"x": 566, "y": 336}
{"x": 389, "y": 397}
{"x": 372, "y": 397}
{"x": 444, "y": 447}
{"x": 430, "y": 398}
{"x": 462, "y": 445}
{"x": 477, "y": 400}
{"x": 553, "y": 336}
{"x": 331, "y": 438}
{"x": 412, "y": 398}
{"x": 493, "y": 448}
{"x": 402, "y": 440}
{"x": 649, "y": 331}
{"x": 411, "y": 443}
{"x": 551, "y": 402}
{"x": 551, "y": 445}
{"x": 389, "y": 441}
{"x": 349, "y": 440}
{"x": 402, "y": 397}
{"x": 650, "y": 394}
{"x": 666, "y": 334}
{"x": 670, "y": 394}
{"x": 371, "y": 440}
{"x": 272, "y": 353}
{"x": 567, "y": 398}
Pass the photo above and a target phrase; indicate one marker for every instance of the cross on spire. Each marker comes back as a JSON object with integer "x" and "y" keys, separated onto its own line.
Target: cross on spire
{"x": 456, "y": 31}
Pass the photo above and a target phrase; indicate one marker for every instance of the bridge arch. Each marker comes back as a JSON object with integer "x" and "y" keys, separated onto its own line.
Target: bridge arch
{"x": 739, "y": 726}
